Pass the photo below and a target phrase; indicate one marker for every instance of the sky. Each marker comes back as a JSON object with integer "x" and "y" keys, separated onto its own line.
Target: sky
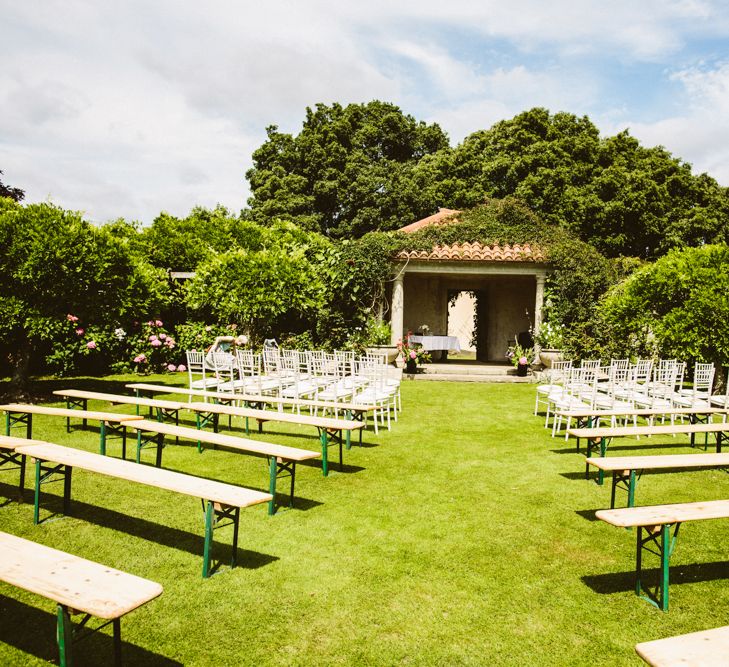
{"x": 127, "y": 109}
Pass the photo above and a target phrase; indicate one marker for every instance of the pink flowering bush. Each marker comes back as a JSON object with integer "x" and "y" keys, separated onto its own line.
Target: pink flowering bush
{"x": 153, "y": 348}
{"x": 412, "y": 350}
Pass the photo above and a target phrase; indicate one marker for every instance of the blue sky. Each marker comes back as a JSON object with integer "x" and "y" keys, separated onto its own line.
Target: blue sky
{"x": 128, "y": 109}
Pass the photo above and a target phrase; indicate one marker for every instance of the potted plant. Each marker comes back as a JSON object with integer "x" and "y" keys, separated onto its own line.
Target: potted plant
{"x": 550, "y": 340}
{"x": 521, "y": 358}
{"x": 413, "y": 354}
{"x": 377, "y": 339}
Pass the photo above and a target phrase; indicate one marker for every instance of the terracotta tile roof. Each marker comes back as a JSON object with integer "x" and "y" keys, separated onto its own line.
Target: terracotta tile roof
{"x": 439, "y": 218}
{"x": 476, "y": 252}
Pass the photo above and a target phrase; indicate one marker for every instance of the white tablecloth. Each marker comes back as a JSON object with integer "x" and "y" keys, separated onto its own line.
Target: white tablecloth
{"x": 429, "y": 343}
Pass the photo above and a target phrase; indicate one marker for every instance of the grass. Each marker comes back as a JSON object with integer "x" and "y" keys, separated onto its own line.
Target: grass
{"x": 465, "y": 536}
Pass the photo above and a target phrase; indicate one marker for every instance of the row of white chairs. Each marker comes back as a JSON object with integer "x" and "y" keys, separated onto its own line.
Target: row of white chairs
{"x": 625, "y": 386}
{"x": 338, "y": 378}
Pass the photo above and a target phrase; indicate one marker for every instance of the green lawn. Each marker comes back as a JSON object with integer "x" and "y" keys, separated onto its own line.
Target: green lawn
{"x": 463, "y": 536}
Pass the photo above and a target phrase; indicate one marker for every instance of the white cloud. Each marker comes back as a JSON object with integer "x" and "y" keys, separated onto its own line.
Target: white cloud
{"x": 126, "y": 109}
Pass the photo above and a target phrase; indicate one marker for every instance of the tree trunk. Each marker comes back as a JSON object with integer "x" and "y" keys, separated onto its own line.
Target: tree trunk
{"x": 21, "y": 367}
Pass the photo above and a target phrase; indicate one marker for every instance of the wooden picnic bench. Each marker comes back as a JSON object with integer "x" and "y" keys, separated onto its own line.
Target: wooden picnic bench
{"x": 109, "y": 422}
{"x": 585, "y": 417}
{"x": 10, "y": 456}
{"x": 220, "y": 501}
{"x": 326, "y": 426}
{"x": 626, "y": 470}
{"x": 282, "y": 459}
{"x": 77, "y": 586}
{"x": 707, "y": 648}
{"x": 598, "y": 438}
{"x": 79, "y": 398}
{"x": 657, "y": 521}
{"x": 355, "y": 411}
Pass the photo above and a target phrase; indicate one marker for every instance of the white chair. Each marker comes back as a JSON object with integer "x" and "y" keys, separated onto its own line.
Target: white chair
{"x": 555, "y": 377}
{"x": 196, "y": 366}
{"x": 699, "y": 395}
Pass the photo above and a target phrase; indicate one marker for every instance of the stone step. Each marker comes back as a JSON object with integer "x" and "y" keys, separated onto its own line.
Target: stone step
{"x": 467, "y": 369}
{"x": 466, "y": 377}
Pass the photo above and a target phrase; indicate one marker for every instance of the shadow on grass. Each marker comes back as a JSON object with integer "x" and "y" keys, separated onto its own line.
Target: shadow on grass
{"x": 587, "y": 514}
{"x": 142, "y": 528}
{"x": 41, "y": 391}
{"x": 637, "y": 444}
{"x": 618, "y": 582}
{"x": 33, "y": 631}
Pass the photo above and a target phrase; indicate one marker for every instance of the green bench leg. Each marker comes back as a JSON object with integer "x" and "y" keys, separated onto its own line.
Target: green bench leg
{"x": 591, "y": 447}
{"x": 324, "y": 452}
{"x": 208, "y": 538}
{"x": 117, "y": 642}
{"x": 64, "y": 635}
{"x": 26, "y": 419}
{"x": 665, "y": 544}
{"x": 272, "y": 474}
{"x": 279, "y": 468}
{"x": 212, "y": 516}
{"x": 628, "y": 481}
{"x": 159, "y": 439}
{"x": 41, "y": 476}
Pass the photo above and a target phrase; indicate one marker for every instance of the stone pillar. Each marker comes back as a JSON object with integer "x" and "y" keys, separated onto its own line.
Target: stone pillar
{"x": 397, "y": 311}
{"x": 538, "y": 303}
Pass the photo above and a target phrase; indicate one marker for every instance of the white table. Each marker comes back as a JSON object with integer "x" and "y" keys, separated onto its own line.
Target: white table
{"x": 431, "y": 343}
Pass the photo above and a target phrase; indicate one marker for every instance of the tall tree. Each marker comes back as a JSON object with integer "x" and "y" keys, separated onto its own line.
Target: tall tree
{"x": 622, "y": 197}
{"x": 349, "y": 170}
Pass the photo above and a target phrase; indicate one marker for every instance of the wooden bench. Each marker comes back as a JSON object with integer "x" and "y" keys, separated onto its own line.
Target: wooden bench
{"x": 220, "y": 501}
{"x": 282, "y": 459}
{"x": 624, "y": 468}
{"x": 598, "y": 438}
{"x": 79, "y": 398}
{"x": 657, "y": 522}
{"x": 353, "y": 411}
{"x": 326, "y": 426}
{"x": 10, "y": 456}
{"x": 585, "y": 417}
{"x": 707, "y": 648}
{"x": 109, "y": 422}
{"x": 77, "y": 586}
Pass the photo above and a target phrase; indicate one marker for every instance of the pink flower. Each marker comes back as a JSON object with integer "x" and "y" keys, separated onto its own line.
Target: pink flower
{"x": 155, "y": 343}
{"x": 523, "y": 361}
{"x": 140, "y": 358}
{"x": 80, "y": 332}
{"x": 91, "y": 345}
{"x": 181, "y": 368}
{"x": 71, "y": 318}
{"x": 171, "y": 368}
{"x": 162, "y": 336}
{"x": 152, "y": 338}
{"x": 158, "y": 323}
{"x": 170, "y": 343}
{"x": 413, "y": 354}
{"x": 150, "y": 323}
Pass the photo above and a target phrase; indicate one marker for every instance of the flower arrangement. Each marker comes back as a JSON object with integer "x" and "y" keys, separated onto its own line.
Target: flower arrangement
{"x": 550, "y": 336}
{"x": 411, "y": 351}
{"x": 520, "y": 356}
